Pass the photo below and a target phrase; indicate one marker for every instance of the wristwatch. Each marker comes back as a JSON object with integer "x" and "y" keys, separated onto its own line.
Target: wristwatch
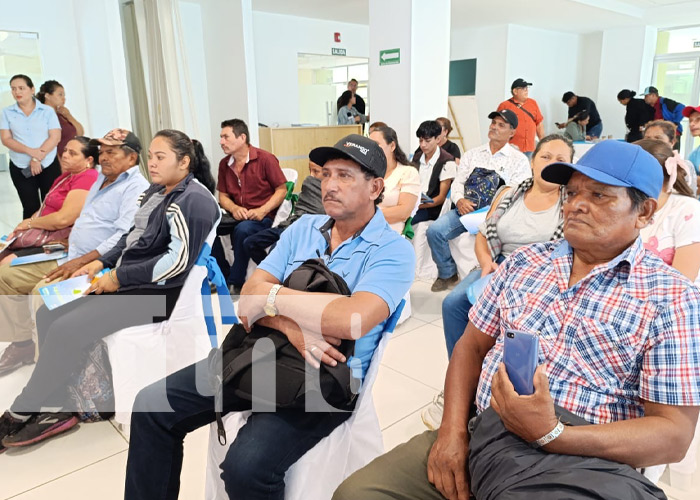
{"x": 270, "y": 308}
{"x": 548, "y": 438}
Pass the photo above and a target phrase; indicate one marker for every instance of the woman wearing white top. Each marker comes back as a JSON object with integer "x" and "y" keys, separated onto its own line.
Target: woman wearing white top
{"x": 401, "y": 181}
{"x": 674, "y": 234}
{"x": 347, "y": 114}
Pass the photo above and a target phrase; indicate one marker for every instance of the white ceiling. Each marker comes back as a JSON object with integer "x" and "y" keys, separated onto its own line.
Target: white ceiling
{"x": 575, "y": 16}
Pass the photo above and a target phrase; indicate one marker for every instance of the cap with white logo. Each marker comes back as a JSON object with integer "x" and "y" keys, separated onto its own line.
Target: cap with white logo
{"x": 353, "y": 147}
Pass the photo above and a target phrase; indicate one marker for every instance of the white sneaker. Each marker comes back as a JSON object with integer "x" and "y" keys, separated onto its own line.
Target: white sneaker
{"x": 432, "y": 415}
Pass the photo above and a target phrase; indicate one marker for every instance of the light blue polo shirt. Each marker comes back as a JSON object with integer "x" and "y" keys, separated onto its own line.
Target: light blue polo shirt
{"x": 695, "y": 159}
{"x": 377, "y": 260}
{"x": 107, "y": 214}
{"x": 30, "y": 130}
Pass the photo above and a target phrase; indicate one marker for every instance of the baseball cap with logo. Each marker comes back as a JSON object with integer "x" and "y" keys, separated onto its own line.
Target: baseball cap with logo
{"x": 356, "y": 148}
{"x": 650, "y": 90}
{"x": 615, "y": 163}
{"x": 119, "y": 137}
{"x": 519, "y": 83}
{"x": 508, "y": 115}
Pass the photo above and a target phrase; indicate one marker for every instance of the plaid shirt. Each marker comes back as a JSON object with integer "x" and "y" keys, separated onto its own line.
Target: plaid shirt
{"x": 629, "y": 331}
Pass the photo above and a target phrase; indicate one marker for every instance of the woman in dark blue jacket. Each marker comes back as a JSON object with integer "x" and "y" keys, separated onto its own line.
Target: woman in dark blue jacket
{"x": 147, "y": 270}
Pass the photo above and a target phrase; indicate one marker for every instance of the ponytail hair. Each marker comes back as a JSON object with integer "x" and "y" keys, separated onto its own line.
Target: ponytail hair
{"x": 48, "y": 87}
{"x": 183, "y": 146}
{"x": 626, "y": 94}
{"x": 89, "y": 150}
{"x": 202, "y": 167}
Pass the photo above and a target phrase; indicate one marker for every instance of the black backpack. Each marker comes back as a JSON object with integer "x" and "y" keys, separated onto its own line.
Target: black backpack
{"x": 230, "y": 366}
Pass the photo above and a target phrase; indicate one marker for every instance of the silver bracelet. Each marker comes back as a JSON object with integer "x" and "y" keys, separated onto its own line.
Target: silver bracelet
{"x": 112, "y": 277}
{"x": 549, "y": 437}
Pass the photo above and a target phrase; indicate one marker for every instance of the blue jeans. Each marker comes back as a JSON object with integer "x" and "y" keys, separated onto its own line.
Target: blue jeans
{"x": 241, "y": 231}
{"x": 595, "y": 131}
{"x": 255, "y": 464}
{"x": 455, "y": 311}
{"x": 439, "y": 235}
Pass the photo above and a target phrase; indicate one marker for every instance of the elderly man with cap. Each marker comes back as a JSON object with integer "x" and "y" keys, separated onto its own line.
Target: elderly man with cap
{"x": 665, "y": 109}
{"x": 619, "y": 360}
{"x": 497, "y": 156}
{"x": 530, "y": 119}
{"x": 140, "y": 282}
{"x": 355, "y": 242}
{"x": 108, "y": 213}
{"x": 693, "y": 115}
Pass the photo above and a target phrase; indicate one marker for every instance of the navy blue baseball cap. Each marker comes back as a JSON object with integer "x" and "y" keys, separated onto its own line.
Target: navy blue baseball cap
{"x": 615, "y": 163}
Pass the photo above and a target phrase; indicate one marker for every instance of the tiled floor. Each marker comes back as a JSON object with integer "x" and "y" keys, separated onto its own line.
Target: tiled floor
{"x": 89, "y": 462}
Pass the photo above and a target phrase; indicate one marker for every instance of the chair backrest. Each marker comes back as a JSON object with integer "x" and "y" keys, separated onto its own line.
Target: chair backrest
{"x": 290, "y": 174}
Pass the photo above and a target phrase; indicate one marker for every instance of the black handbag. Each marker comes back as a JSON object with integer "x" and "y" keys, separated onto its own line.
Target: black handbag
{"x": 231, "y": 365}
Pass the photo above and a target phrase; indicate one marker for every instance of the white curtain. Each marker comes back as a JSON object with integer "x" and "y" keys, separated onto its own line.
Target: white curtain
{"x": 165, "y": 66}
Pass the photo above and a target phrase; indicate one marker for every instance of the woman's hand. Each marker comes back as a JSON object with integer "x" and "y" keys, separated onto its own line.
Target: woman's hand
{"x": 91, "y": 269}
{"x": 63, "y": 111}
{"x": 106, "y": 284}
{"x": 488, "y": 269}
{"x": 22, "y": 226}
{"x": 35, "y": 166}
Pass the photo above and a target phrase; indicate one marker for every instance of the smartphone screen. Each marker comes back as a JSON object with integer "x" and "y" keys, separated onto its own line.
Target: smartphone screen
{"x": 520, "y": 357}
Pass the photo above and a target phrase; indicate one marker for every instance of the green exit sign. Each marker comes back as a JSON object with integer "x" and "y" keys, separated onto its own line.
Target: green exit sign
{"x": 389, "y": 56}
{"x": 338, "y": 52}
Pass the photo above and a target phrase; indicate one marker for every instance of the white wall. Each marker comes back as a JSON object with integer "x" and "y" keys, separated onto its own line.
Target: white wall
{"x": 548, "y": 59}
{"x": 430, "y": 62}
{"x": 277, "y": 39}
{"x": 489, "y": 46}
{"x": 588, "y": 70}
{"x": 80, "y": 44}
{"x": 626, "y": 62}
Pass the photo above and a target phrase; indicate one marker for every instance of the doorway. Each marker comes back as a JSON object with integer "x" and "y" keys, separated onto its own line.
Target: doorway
{"x": 322, "y": 79}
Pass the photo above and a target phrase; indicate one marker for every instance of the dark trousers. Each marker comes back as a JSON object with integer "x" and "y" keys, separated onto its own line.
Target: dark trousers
{"x": 255, "y": 464}
{"x": 68, "y": 331}
{"x": 257, "y": 244}
{"x": 239, "y": 231}
{"x": 33, "y": 190}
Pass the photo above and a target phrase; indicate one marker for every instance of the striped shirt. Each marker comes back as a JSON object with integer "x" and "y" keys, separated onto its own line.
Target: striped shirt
{"x": 627, "y": 332}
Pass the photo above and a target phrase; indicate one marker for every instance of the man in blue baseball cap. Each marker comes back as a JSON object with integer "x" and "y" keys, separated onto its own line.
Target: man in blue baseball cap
{"x": 616, "y": 386}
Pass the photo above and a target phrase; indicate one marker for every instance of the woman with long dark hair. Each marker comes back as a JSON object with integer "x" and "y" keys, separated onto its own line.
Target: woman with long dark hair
{"x": 175, "y": 216}
{"x": 31, "y": 131}
{"x": 401, "y": 181}
{"x": 347, "y": 114}
{"x": 638, "y": 114}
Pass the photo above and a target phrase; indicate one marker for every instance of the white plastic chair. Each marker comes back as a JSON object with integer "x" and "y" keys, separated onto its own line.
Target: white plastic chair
{"x": 286, "y": 207}
{"x": 318, "y": 473}
{"x": 143, "y": 354}
{"x": 425, "y": 267}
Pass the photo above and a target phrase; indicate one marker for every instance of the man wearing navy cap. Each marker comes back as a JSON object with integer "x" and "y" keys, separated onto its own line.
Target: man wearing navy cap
{"x": 377, "y": 264}
{"x": 530, "y": 119}
{"x": 616, "y": 387}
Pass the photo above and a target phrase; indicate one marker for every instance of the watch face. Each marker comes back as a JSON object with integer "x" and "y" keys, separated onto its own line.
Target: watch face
{"x": 270, "y": 309}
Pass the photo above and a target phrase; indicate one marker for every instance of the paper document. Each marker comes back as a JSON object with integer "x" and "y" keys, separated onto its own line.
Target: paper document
{"x": 4, "y": 242}
{"x": 473, "y": 220}
{"x": 38, "y": 257}
{"x": 66, "y": 291}
{"x": 477, "y": 288}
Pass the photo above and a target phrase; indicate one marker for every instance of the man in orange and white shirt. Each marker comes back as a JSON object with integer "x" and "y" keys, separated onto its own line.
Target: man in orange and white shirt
{"x": 530, "y": 119}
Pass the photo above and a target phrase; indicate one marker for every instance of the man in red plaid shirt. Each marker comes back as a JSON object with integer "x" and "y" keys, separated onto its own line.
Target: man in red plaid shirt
{"x": 619, "y": 360}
